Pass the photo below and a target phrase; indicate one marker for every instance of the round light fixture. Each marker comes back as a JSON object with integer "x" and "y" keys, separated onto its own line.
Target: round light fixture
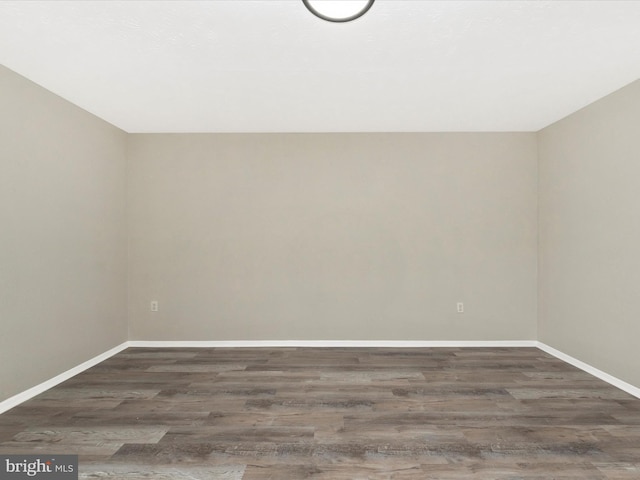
{"x": 338, "y": 10}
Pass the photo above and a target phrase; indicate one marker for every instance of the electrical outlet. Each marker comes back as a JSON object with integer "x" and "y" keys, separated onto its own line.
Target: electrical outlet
{"x": 154, "y": 306}
{"x": 460, "y": 307}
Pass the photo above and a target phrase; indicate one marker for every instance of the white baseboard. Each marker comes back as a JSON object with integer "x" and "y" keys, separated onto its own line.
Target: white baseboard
{"x": 332, "y": 343}
{"x": 616, "y": 382}
{"x": 32, "y": 392}
{"x": 44, "y": 386}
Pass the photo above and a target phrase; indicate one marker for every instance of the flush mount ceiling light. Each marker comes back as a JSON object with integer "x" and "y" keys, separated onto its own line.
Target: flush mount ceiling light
{"x": 338, "y": 10}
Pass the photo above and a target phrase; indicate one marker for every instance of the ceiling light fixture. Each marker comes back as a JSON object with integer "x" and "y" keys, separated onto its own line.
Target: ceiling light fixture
{"x": 338, "y": 10}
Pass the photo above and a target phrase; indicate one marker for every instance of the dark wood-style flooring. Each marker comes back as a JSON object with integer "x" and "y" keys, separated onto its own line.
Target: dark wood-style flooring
{"x": 335, "y": 414}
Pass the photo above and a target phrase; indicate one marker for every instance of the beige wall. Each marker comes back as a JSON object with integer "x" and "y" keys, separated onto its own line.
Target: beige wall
{"x": 590, "y": 234}
{"x": 314, "y": 236}
{"x": 332, "y": 236}
{"x": 62, "y": 235}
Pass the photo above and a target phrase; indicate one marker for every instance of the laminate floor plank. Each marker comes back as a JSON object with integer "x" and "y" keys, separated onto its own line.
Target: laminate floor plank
{"x": 154, "y": 472}
{"x": 333, "y": 413}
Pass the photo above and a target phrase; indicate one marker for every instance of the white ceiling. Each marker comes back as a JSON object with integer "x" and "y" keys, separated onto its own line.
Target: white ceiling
{"x": 271, "y": 66}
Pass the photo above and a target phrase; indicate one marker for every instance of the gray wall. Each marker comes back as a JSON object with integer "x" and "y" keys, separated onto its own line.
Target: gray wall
{"x": 590, "y": 234}
{"x": 62, "y": 235}
{"x": 333, "y": 236}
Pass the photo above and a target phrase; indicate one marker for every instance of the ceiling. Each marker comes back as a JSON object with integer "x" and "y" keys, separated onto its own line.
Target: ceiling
{"x": 271, "y": 66}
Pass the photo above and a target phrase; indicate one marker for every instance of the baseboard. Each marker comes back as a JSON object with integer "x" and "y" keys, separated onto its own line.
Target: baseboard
{"x": 21, "y": 397}
{"x": 616, "y": 382}
{"x": 332, "y": 343}
{"x": 32, "y": 392}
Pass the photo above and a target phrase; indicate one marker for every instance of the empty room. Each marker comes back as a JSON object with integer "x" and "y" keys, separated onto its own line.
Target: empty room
{"x": 327, "y": 239}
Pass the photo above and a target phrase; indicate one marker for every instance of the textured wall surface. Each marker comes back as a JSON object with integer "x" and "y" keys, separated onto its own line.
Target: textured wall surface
{"x": 62, "y": 235}
{"x": 589, "y": 234}
{"x": 333, "y": 236}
